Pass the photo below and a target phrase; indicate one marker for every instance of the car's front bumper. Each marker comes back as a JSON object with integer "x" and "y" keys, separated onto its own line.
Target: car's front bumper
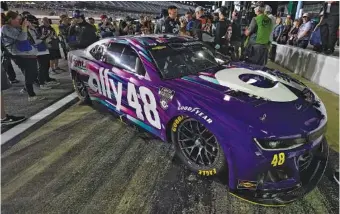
{"x": 310, "y": 174}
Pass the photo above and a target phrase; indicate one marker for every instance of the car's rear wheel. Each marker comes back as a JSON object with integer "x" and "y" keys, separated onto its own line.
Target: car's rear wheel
{"x": 81, "y": 90}
{"x": 198, "y": 148}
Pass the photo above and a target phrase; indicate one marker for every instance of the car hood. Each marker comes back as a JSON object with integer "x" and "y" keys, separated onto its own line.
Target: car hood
{"x": 271, "y": 101}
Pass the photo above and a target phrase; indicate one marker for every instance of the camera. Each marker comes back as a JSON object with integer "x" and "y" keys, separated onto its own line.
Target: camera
{"x": 30, "y": 18}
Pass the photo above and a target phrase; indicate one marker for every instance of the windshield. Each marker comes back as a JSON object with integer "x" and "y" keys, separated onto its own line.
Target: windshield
{"x": 181, "y": 59}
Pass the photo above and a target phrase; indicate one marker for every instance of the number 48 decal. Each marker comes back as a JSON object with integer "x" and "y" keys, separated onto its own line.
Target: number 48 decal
{"x": 278, "y": 159}
{"x": 149, "y": 101}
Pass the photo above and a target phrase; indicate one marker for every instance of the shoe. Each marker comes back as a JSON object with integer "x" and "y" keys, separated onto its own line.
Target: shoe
{"x": 53, "y": 72}
{"x": 45, "y": 87}
{"x": 52, "y": 83}
{"x": 328, "y": 52}
{"x": 35, "y": 98}
{"x": 11, "y": 120}
{"x": 60, "y": 69}
{"x": 23, "y": 91}
{"x": 14, "y": 81}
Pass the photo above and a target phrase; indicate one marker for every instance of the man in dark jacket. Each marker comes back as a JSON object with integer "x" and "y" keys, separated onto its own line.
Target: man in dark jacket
{"x": 171, "y": 23}
{"x": 64, "y": 28}
{"x": 221, "y": 31}
{"x": 199, "y": 23}
{"x": 81, "y": 34}
{"x": 236, "y": 37}
{"x": 329, "y": 24}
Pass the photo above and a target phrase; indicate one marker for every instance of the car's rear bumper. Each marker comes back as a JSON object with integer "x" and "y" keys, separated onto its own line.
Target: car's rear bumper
{"x": 309, "y": 178}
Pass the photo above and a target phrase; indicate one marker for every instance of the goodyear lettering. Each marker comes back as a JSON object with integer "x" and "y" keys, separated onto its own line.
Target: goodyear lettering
{"x": 207, "y": 172}
{"x": 196, "y": 111}
{"x": 176, "y": 122}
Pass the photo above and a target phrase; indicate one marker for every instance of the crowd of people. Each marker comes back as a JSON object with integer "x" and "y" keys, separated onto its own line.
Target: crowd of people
{"x": 322, "y": 34}
{"x": 35, "y": 47}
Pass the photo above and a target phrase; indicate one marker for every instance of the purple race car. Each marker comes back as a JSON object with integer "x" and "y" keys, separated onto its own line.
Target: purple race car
{"x": 262, "y": 126}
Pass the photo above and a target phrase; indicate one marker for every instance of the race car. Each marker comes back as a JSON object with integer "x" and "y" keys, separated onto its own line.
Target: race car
{"x": 263, "y": 128}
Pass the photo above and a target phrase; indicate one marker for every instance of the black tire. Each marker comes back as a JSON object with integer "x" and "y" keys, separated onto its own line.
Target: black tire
{"x": 192, "y": 139}
{"x": 81, "y": 90}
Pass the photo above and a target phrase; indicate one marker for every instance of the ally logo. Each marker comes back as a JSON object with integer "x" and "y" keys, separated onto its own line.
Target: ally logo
{"x": 105, "y": 86}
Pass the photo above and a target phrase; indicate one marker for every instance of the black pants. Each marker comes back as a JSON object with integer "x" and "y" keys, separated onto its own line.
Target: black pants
{"x": 328, "y": 30}
{"x": 43, "y": 69}
{"x": 257, "y": 54}
{"x": 29, "y": 67}
{"x": 9, "y": 68}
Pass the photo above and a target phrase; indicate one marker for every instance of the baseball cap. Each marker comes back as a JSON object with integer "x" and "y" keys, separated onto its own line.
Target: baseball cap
{"x": 76, "y": 14}
{"x": 305, "y": 15}
{"x": 103, "y": 16}
{"x": 198, "y": 9}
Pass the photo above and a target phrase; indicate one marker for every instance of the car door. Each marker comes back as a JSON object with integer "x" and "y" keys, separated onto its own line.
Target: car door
{"x": 132, "y": 95}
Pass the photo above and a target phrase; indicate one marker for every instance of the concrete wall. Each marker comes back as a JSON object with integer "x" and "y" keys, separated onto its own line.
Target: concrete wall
{"x": 318, "y": 68}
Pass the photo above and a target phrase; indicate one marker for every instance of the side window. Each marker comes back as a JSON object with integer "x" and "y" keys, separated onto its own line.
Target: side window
{"x": 129, "y": 59}
{"x": 113, "y": 54}
{"x": 123, "y": 56}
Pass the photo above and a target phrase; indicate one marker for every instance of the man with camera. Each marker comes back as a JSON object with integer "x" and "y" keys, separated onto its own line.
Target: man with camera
{"x": 20, "y": 44}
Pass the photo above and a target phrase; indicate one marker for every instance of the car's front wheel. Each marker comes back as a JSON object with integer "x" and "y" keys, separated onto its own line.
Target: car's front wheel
{"x": 81, "y": 89}
{"x": 197, "y": 147}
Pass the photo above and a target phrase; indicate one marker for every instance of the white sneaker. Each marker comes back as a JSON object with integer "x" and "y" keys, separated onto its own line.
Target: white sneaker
{"x": 45, "y": 87}
{"x": 53, "y": 72}
{"x": 52, "y": 83}
{"x": 35, "y": 98}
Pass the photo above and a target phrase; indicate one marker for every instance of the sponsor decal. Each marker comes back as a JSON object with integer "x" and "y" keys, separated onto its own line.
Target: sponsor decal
{"x": 158, "y": 48}
{"x": 113, "y": 90}
{"x": 196, "y": 111}
{"x": 278, "y": 159}
{"x": 79, "y": 64}
{"x": 176, "y": 122}
{"x": 243, "y": 184}
{"x": 166, "y": 95}
{"x": 207, "y": 172}
{"x": 258, "y": 84}
{"x": 191, "y": 43}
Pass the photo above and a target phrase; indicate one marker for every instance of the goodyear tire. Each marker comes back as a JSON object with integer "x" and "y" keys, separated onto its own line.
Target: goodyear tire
{"x": 197, "y": 147}
{"x": 81, "y": 90}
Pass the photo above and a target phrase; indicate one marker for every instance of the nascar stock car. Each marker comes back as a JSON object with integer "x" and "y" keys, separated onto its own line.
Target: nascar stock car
{"x": 263, "y": 128}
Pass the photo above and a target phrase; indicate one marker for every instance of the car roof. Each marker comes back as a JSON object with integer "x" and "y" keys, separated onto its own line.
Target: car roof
{"x": 152, "y": 40}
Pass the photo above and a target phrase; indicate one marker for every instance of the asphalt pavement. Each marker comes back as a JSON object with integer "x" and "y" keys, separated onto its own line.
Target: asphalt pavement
{"x": 85, "y": 161}
{"x": 16, "y": 103}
